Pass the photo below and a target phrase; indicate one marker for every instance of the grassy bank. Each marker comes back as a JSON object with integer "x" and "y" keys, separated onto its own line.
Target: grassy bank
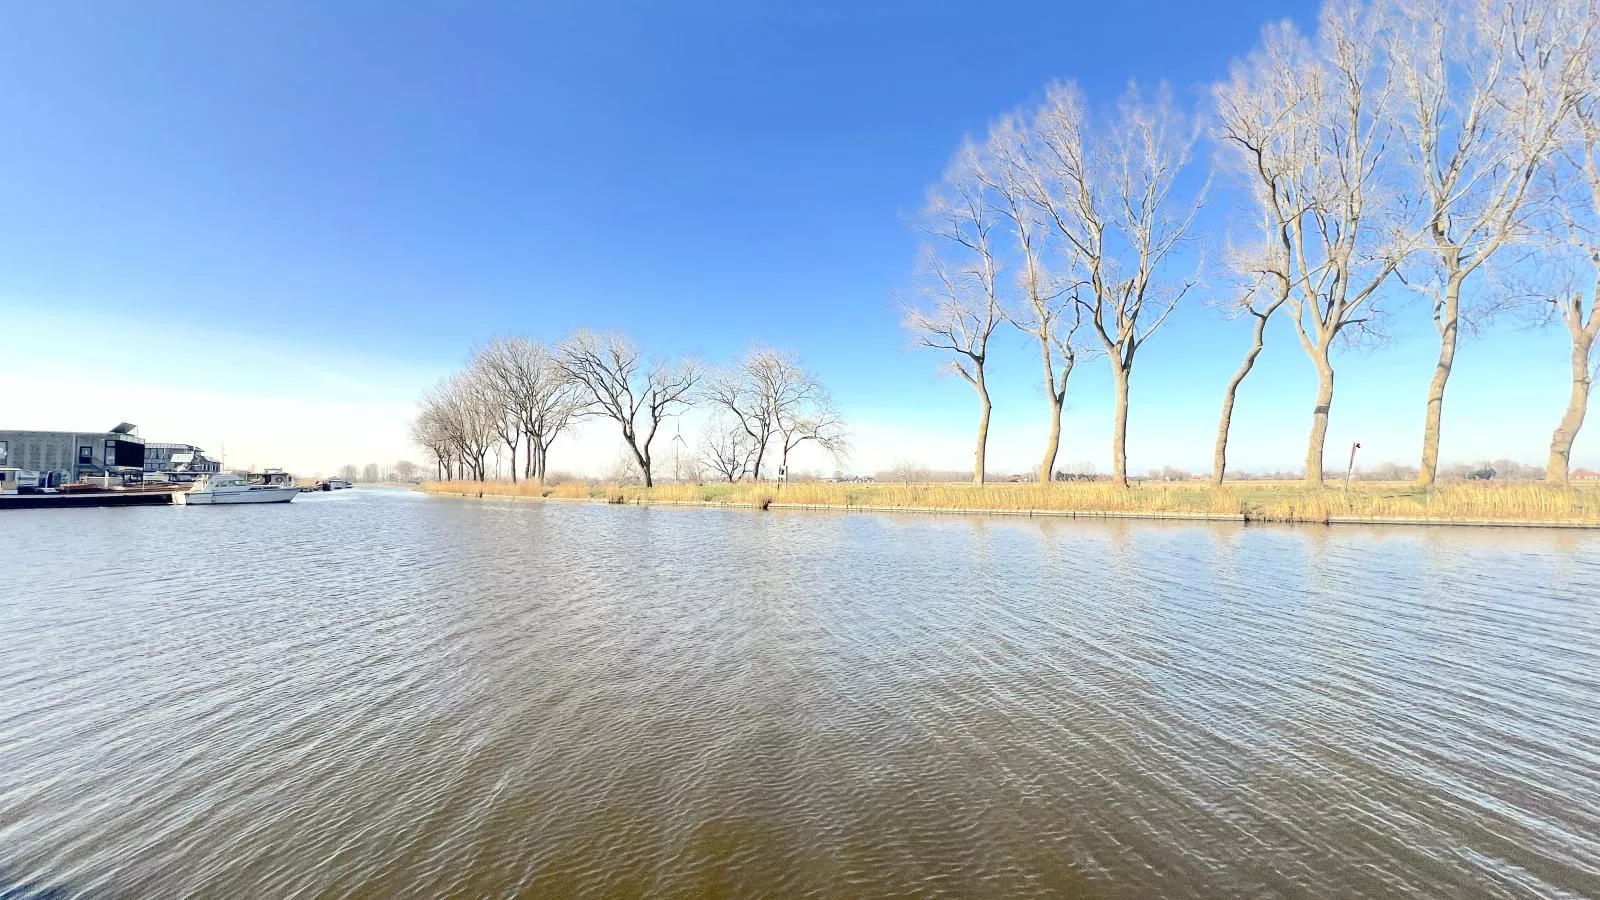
{"x": 1256, "y": 501}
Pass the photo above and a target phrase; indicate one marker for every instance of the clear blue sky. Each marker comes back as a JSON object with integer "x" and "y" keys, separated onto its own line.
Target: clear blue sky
{"x": 376, "y": 186}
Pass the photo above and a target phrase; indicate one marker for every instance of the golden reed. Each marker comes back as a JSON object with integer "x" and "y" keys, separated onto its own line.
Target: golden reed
{"x": 1261, "y": 501}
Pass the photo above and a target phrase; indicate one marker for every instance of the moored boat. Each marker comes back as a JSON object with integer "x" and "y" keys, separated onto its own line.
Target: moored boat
{"x": 227, "y": 487}
{"x": 272, "y": 477}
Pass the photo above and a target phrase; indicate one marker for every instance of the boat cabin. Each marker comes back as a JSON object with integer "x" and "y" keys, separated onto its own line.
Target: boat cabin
{"x": 271, "y": 477}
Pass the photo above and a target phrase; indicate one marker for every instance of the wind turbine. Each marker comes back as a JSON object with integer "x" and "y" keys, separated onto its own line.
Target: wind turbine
{"x": 677, "y": 452}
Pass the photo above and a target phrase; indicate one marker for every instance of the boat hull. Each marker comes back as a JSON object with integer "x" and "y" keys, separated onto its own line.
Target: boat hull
{"x": 260, "y": 495}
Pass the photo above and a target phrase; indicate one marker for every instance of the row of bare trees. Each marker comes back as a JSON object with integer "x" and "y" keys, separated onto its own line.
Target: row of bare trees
{"x": 401, "y": 470}
{"x": 1093, "y": 220}
{"x": 517, "y": 396}
{"x": 1407, "y": 149}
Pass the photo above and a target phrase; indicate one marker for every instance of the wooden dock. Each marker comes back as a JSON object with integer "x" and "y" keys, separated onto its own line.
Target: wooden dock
{"x": 81, "y": 499}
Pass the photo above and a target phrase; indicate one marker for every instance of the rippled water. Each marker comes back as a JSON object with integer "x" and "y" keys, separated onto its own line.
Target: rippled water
{"x": 382, "y": 694}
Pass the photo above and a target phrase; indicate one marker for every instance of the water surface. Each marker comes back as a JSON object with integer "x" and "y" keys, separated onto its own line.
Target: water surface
{"x": 380, "y": 694}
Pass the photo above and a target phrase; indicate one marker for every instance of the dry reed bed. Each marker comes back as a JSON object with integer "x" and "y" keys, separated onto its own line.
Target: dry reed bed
{"x": 1270, "y": 502}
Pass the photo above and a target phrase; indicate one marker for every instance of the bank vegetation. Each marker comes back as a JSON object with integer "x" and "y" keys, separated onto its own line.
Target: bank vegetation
{"x": 1529, "y": 502}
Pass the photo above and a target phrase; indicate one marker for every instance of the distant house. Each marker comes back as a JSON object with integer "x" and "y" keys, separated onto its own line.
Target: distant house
{"x": 1586, "y": 474}
{"x": 159, "y": 457}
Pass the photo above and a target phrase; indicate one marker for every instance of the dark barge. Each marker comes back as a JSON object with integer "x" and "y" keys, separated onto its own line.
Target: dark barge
{"x": 80, "y": 499}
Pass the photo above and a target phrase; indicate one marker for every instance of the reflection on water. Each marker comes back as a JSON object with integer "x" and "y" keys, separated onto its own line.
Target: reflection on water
{"x": 383, "y": 694}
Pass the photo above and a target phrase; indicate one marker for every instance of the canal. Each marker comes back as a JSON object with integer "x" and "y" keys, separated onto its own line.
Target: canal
{"x": 376, "y": 693}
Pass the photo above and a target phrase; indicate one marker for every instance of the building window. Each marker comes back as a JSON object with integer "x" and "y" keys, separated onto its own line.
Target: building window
{"x": 5, "y": 451}
{"x": 85, "y": 455}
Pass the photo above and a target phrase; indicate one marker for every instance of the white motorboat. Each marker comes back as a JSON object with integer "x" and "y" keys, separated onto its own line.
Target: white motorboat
{"x": 226, "y": 487}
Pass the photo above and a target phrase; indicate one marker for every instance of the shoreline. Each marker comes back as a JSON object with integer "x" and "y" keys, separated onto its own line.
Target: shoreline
{"x": 1236, "y": 518}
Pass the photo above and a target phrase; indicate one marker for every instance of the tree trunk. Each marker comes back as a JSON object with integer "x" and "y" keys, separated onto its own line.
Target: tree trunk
{"x": 1052, "y": 446}
{"x": 1219, "y": 458}
{"x": 1583, "y": 337}
{"x": 643, "y": 456}
{"x": 513, "y": 466}
{"x": 1119, "y": 432}
{"x": 1449, "y": 322}
{"x": 1047, "y": 467}
{"x": 1319, "y": 420}
{"x": 978, "y": 463}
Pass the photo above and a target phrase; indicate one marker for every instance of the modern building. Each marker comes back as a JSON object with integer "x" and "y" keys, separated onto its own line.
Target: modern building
{"x": 180, "y": 458}
{"x": 66, "y": 456}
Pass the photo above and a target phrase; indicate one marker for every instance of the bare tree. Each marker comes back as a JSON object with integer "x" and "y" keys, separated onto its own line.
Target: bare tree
{"x": 1316, "y": 113}
{"x": 478, "y": 417}
{"x": 1261, "y": 312}
{"x": 1579, "y": 207}
{"x": 432, "y": 429}
{"x": 636, "y": 393}
{"x": 1048, "y": 309}
{"x": 562, "y": 406}
{"x": 456, "y": 422}
{"x": 747, "y": 392}
{"x": 1267, "y": 135}
{"x": 908, "y": 470}
{"x": 625, "y": 468}
{"x": 427, "y": 432}
{"x": 808, "y": 414}
{"x": 725, "y": 446}
{"x": 961, "y": 304}
{"x": 405, "y": 469}
{"x": 1483, "y": 88}
{"x": 1112, "y": 200}
{"x": 1582, "y": 327}
{"x": 348, "y": 472}
{"x": 541, "y": 398}
{"x": 491, "y": 370}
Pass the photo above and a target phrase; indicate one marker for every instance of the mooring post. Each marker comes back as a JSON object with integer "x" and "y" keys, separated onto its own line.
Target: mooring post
{"x": 1347, "y": 470}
